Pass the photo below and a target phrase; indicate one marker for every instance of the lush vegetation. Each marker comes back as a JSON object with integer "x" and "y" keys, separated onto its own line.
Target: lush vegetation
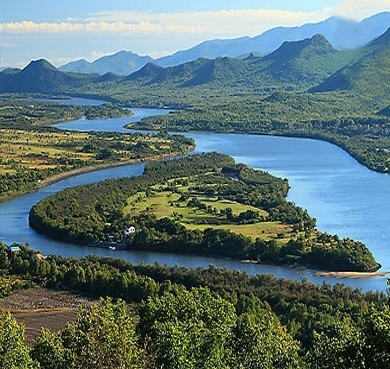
{"x": 304, "y": 88}
{"x": 331, "y": 117}
{"x": 204, "y": 317}
{"x": 175, "y": 317}
{"x": 31, "y": 153}
{"x": 96, "y": 212}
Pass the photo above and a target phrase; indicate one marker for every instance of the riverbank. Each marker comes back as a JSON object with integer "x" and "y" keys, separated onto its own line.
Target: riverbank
{"x": 59, "y": 177}
{"x": 352, "y": 275}
{"x": 363, "y": 148}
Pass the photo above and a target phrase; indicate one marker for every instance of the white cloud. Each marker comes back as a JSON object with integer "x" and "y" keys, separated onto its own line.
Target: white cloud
{"x": 224, "y": 23}
{"x": 67, "y": 27}
{"x": 360, "y": 9}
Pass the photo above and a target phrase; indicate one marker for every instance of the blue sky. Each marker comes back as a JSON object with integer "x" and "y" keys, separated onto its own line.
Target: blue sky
{"x": 65, "y": 31}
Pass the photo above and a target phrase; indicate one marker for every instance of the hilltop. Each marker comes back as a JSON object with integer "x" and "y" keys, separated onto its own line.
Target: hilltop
{"x": 121, "y": 63}
{"x": 370, "y": 75}
{"x": 40, "y": 76}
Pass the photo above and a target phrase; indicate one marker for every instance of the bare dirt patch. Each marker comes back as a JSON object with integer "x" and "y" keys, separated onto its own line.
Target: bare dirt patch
{"x": 40, "y": 307}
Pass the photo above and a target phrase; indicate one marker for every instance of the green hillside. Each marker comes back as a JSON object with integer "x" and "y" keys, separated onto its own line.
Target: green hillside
{"x": 369, "y": 76}
{"x": 294, "y": 65}
{"x": 41, "y": 76}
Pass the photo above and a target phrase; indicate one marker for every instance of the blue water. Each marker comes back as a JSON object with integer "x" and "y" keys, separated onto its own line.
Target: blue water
{"x": 111, "y": 124}
{"x": 346, "y": 198}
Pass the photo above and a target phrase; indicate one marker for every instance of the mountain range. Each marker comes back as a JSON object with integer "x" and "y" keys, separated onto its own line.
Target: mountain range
{"x": 121, "y": 63}
{"x": 341, "y": 33}
{"x": 294, "y": 64}
{"x": 312, "y": 63}
{"x": 370, "y": 74}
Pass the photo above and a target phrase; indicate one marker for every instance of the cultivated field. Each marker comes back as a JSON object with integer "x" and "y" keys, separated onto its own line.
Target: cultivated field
{"x": 39, "y": 307}
{"x": 29, "y": 149}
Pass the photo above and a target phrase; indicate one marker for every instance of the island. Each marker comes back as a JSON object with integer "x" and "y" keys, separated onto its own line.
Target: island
{"x": 200, "y": 204}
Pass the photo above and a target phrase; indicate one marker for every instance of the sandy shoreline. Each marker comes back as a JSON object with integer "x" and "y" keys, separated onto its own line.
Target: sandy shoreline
{"x": 352, "y": 275}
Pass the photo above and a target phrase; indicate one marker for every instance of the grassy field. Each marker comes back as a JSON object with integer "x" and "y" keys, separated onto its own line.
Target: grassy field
{"x": 39, "y": 307}
{"x": 32, "y": 158}
{"x": 26, "y": 149}
{"x": 167, "y": 204}
{"x": 31, "y": 149}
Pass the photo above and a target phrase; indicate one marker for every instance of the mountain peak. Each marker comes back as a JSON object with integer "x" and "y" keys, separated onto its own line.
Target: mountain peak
{"x": 38, "y": 65}
{"x": 149, "y": 70}
{"x": 250, "y": 56}
{"x": 320, "y": 40}
{"x": 121, "y": 63}
{"x": 289, "y": 50}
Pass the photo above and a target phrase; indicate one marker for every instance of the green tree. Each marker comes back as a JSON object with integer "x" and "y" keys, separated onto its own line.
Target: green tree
{"x": 260, "y": 341}
{"x": 102, "y": 337}
{"x": 188, "y": 329}
{"x": 13, "y": 353}
{"x": 50, "y": 352}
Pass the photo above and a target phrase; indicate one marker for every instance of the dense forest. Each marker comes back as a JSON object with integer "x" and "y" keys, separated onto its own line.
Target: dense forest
{"x": 95, "y": 212}
{"x": 175, "y": 317}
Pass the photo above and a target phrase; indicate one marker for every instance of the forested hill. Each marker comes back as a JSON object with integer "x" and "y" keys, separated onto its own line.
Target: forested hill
{"x": 369, "y": 75}
{"x": 299, "y": 63}
{"x": 41, "y": 76}
{"x": 294, "y": 65}
{"x": 189, "y": 188}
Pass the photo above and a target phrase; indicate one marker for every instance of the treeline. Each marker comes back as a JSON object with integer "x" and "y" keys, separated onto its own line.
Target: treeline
{"x": 341, "y": 120}
{"x": 202, "y": 317}
{"x": 95, "y": 212}
{"x": 319, "y": 250}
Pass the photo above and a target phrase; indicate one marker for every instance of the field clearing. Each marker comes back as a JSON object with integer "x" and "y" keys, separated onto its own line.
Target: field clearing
{"x": 166, "y": 204}
{"x": 22, "y": 149}
{"x": 54, "y": 320}
{"x": 30, "y": 149}
{"x": 40, "y": 307}
{"x": 263, "y": 230}
{"x": 31, "y": 157}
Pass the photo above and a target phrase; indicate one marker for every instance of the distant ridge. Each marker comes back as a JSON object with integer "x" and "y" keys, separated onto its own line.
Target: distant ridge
{"x": 341, "y": 33}
{"x": 311, "y": 64}
{"x": 122, "y": 63}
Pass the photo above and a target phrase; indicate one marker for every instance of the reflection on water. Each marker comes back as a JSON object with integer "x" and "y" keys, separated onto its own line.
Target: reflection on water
{"x": 345, "y": 197}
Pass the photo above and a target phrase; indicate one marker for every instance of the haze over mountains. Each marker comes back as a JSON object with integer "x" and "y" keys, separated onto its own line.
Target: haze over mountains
{"x": 311, "y": 64}
{"x": 341, "y": 33}
{"x": 295, "y": 63}
{"x": 370, "y": 73}
{"x": 122, "y": 63}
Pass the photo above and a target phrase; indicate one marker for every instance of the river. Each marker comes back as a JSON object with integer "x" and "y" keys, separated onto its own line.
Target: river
{"x": 346, "y": 198}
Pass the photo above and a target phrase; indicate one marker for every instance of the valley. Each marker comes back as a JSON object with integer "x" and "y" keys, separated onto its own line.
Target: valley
{"x": 217, "y": 264}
